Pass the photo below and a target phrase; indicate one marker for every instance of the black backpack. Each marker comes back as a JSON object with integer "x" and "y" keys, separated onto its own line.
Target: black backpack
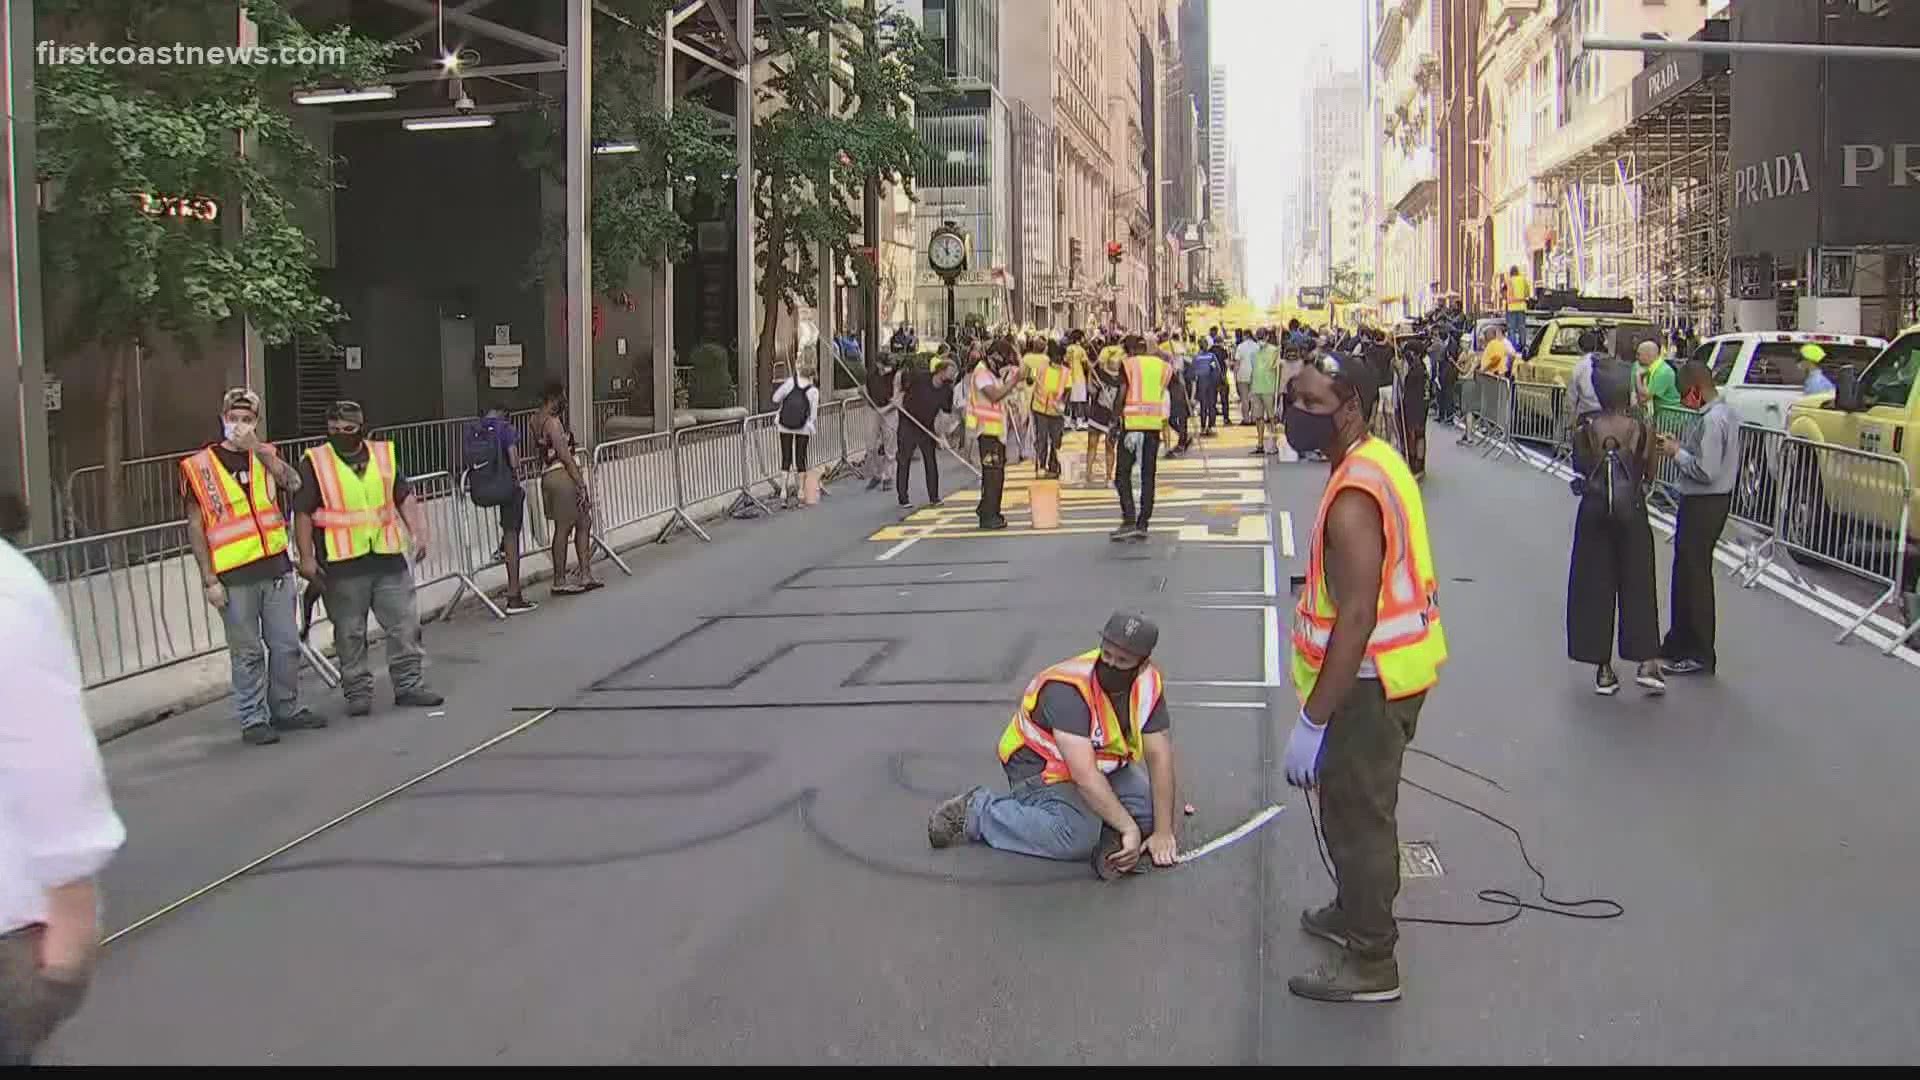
{"x": 483, "y": 461}
{"x": 1614, "y": 487}
{"x": 794, "y": 408}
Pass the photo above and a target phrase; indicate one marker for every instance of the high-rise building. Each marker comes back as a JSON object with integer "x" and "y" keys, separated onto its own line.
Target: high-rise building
{"x": 1129, "y": 64}
{"x": 1080, "y": 132}
{"x": 1335, "y": 127}
{"x": 1217, "y": 138}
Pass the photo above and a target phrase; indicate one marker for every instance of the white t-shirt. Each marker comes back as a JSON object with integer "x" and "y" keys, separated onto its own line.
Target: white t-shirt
{"x": 57, "y": 823}
{"x": 1243, "y": 357}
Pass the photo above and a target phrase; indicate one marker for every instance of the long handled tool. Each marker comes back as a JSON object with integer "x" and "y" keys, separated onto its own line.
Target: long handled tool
{"x": 938, "y": 442}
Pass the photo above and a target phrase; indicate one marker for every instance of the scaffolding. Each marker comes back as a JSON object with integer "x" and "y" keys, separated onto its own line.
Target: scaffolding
{"x": 1646, "y": 210}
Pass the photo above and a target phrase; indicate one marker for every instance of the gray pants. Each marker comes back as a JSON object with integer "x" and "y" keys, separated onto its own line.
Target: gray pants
{"x": 1052, "y": 821}
{"x": 264, "y": 646}
{"x": 886, "y": 439}
{"x": 31, "y": 1005}
{"x": 389, "y": 596}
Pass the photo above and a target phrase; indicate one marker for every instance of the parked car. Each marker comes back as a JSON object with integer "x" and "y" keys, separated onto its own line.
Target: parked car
{"x": 1881, "y": 415}
{"x": 1758, "y": 373}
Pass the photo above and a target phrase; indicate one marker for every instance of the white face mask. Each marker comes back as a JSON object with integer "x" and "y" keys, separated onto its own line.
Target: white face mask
{"x": 234, "y": 429}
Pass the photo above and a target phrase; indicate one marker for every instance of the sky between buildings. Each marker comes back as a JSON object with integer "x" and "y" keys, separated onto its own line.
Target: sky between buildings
{"x": 1273, "y": 49}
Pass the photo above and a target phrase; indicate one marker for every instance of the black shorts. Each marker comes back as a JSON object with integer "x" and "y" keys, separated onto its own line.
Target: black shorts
{"x": 513, "y": 512}
{"x": 793, "y": 451}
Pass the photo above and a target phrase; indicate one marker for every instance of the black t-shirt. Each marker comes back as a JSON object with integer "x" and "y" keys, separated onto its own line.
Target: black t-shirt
{"x": 307, "y": 500}
{"x": 1061, "y": 708}
{"x": 240, "y": 464}
{"x": 925, "y": 398}
{"x": 880, "y": 376}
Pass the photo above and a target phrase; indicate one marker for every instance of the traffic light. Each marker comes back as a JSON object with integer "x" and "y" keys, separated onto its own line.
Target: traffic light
{"x": 1115, "y": 252}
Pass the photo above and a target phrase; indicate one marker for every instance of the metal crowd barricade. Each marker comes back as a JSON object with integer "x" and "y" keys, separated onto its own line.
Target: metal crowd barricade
{"x": 152, "y": 489}
{"x": 1683, "y": 425}
{"x": 761, "y": 459}
{"x": 634, "y": 480}
{"x": 450, "y": 556}
{"x": 1494, "y": 415}
{"x": 860, "y": 427}
{"x": 1756, "y": 502}
{"x": 1849, "y": 509}
{"x": 830, "y": 436}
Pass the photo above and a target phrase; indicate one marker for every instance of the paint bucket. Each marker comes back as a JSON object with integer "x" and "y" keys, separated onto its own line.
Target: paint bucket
{"x": 810, "y": 487}
{"x": 1043, "y": 497}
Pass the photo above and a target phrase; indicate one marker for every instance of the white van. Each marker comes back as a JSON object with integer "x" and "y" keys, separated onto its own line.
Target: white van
{"x": 1758, "y": 372}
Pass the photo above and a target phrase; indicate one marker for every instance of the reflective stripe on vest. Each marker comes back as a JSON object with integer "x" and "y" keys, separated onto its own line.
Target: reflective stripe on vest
{"x": 242, "y": 525}
{"x": 1052, "y": 386}
{"x": 1408, "y": 643}
{"x": 356, "y": 510}
{"x": 988, "y": 416}
{"x": 1115, "y": 742}
{"x": 1147, "y": 407}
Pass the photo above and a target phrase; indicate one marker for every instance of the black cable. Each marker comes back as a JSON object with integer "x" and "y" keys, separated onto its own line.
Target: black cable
{"x": 1609, "y": 908}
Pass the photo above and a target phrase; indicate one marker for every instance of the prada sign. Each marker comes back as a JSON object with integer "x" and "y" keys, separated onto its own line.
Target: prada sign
{"x": 1671, "y": 75}
{"x": 1784, "y": 175}
{"x": 1862, "y": 165}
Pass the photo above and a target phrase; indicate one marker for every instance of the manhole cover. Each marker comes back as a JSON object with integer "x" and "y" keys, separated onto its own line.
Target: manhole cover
{"x": 1417, "y": 860}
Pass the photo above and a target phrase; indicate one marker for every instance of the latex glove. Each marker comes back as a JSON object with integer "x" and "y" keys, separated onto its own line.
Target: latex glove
{"x": 1302, "y": 760}
{"x": 1135, "y": 440}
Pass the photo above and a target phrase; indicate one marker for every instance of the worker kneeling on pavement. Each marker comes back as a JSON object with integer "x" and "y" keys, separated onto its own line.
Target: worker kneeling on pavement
{"x": 1089, "y": 745}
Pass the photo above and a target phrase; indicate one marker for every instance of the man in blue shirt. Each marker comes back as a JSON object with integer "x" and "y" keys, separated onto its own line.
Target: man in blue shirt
{"x": 1206, "y": 379}
{"x": 1815, "y": 380}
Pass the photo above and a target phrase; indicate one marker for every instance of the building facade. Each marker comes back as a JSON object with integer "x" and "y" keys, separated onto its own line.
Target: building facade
{"x": 1081, "y": 158}
{"x": 1405, "y": 54}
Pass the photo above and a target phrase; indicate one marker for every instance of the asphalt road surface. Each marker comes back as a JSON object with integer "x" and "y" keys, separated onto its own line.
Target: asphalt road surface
{"x": 705, "y": 841}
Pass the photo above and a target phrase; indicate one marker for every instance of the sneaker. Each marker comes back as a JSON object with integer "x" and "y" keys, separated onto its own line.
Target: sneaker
{"x": 1124, "y": 532}
{"x": 518, "y": 605}
{"x": 1684, "y": 667}
{"x": 1256, "y": 451}
{"x": 947, "y": 825}
{"x": 995, "y": 525}
{"x": 300, "y": 720}
{"x": 873, "y": 484}
{"x": 359, "y": 706}
{"x": 1349, "y": 979}
{"x": 259, "y": 735}
{"x": 1605, "y": 682}
{"x": 1138, "y": 533}
{"x": 1325, "y": 923}
{"x": 933, "y": 502}
{"x": 417, "y": 699}
{"x": 904, "y": 504}
{"x": 1649, "y": 678}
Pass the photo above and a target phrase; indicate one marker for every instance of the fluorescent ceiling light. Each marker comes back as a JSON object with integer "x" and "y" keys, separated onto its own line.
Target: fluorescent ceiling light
{"x": 618, "y": 146}
{"x": 446, "y": 123}
{"x": 341, "y": 95}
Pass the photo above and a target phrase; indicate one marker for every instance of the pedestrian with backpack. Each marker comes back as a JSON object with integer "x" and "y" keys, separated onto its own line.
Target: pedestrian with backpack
{"x": 490, "y": 472}
{"x": 798, "y": 402}
{"x": 1612, "y": 567}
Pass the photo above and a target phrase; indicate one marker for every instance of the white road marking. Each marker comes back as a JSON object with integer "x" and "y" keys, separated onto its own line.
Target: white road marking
{"x": 1286, "y": 534}
{"x": 303, "y": 838}
{"x": 1221, "y": 704}
{"x": 900, "y": 547}
{"x": 1269, "y": 576}
{"x": 1272, "y": 642}
{"x": 1218, "y": 842}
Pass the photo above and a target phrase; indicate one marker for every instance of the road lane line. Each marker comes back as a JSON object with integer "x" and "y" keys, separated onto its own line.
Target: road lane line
{"x": 1270, "y": 577}
{"x": 297, "y": 841}
{"x": 903, "y": 545}
{"x": 1272, "y": 650}
{"x": 1286, "y": 535}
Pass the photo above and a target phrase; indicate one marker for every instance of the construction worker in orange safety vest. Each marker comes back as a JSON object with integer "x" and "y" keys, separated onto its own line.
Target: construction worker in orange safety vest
{"x": 1090, "y": 745}
{"x": 368, "y": 522}
{"x": 1146, "y": 409}
{"x": 1367, "y": 646}
{"x": 238, "y": 533}
{"x": 1049, "y": 409}
{"x": 987, "y": 416}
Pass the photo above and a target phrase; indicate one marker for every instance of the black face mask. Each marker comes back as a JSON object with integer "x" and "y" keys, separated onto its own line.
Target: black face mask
{"x": 1112, "y": 679}
{"x": 346, "y": 444}
{"x": 1309, "y": 432}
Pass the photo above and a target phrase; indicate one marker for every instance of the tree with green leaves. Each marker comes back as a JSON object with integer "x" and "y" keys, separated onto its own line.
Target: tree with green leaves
{"x": 1218, "y": 293}
{"x": 160, "y": 219}
{"x": 837, "y": 106}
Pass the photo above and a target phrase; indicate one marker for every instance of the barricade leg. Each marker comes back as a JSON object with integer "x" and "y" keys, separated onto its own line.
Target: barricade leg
{"x": 746, "y": 504}
{"x": 680, "y": 518}
{"x": 462, "y": 574}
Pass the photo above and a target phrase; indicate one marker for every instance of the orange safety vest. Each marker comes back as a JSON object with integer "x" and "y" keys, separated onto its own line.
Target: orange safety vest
{"x": 243, "y": 525}
{"x": 1051, "y": 387}
{"x": 1408, "y": 644}
{"x": 1115, "y": 742}
{"x": 990, "y": 417}
{"x": 357, "y": 512}
{"x": 1148, "y": 407}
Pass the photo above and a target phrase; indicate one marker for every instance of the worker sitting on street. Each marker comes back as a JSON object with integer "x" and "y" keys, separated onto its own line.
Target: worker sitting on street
{"x": 1089, "y": 745}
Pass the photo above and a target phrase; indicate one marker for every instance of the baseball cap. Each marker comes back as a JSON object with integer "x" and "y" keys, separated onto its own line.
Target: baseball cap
{"x": 240, "y": 397}
{"x": 1812, "y": 353}
{"x": 1131, "y": 631}
{"x": 347, "y": 412}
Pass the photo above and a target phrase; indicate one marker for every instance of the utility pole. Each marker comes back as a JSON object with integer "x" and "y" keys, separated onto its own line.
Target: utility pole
{"x": 871, "y": 225}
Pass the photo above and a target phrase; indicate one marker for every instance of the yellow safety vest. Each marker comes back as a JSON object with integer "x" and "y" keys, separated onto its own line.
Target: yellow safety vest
{"x": 1051, "y": 389}
{"x": 1519, "y": 291}
{"x": 1077, "y": 360}
{"x": 243, "y": 525}
{"x": 1148, "y": 407}
{"x": 1408, "y": 643}
{"x": 987, "y": 417}
{"x": 1115, "y": 742}
{"x": 356, "y": 509}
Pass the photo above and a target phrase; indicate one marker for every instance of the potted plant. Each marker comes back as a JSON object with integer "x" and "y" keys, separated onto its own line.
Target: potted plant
{"x": 710, "y": 385}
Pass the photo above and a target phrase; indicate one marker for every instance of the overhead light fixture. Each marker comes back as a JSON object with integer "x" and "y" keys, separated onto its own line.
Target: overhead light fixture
{"x": 341, "y": 95}
{"x": 618, "y": 146}
{"x": 447, "y": 123}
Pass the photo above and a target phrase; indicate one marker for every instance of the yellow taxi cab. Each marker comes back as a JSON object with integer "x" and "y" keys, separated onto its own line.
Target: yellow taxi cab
{"x": 1876, "y": 411}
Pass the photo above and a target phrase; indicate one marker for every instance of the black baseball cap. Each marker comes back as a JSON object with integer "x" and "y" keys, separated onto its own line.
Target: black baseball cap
{"x": 1131, "y": 631}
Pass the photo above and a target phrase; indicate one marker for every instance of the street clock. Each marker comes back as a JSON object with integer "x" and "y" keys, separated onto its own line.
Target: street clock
{"x": 947, "y": 251}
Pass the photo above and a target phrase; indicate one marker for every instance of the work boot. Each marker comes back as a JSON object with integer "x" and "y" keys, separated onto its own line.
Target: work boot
{"x": 302, "y": 719}
{"x": 947, "y": 825}
{"x": 259, "y": 735}
{"x": 1124, "y": 532}
{"x": 1326, "y": 924}
{"x": 993, "y": 524}
{"x": 1350, "y": 979}
{"x": 359, "y": 706}
{"x": 417, "y": 698}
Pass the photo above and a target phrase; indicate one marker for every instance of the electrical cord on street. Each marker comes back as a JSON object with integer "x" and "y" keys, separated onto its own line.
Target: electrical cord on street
{"x": 1595, "y": 909}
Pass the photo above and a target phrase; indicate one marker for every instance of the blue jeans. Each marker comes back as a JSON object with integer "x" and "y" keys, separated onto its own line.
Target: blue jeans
{"x": 1052, "y": 821}
{"x": 265, "y": 649}
{"x": 1517, "y": 331}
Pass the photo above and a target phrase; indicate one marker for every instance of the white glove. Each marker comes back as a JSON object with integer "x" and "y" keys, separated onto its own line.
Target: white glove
{"x": 1302, "y": 759}
{"x": 1135, "y": 440}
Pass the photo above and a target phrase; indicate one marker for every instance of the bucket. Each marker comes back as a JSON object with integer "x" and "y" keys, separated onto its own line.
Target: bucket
{"x": 1043, "y": 497}
{"x": 810, "y": 487}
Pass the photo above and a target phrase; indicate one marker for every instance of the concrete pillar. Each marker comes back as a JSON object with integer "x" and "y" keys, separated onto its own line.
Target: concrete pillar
{"x": 749, "y": 376}
{"x": 25, "y": 464}
{"x": 579, "y": 159}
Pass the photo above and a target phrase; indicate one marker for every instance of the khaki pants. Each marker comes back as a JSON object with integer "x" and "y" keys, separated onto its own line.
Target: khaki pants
{"x": 1359, "y": 798}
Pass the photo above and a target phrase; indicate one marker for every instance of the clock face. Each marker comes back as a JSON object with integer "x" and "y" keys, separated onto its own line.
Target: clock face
{"x": 947, "y": 251}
